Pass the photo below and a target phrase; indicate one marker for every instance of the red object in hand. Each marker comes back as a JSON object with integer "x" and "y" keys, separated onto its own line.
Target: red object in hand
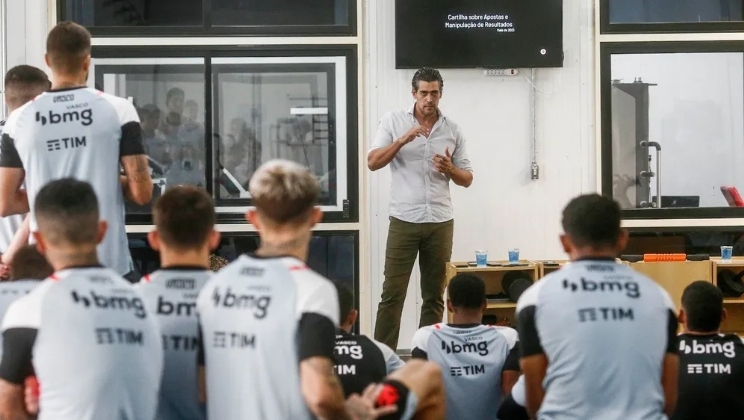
{"x": 388, "y": 396}
{"x": 33, "y": 384}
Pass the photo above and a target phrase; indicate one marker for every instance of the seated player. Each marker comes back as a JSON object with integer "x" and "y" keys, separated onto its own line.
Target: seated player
{"x": 184, "y": 235}
{"x": 513, "y": 405}
{"x": 480, "y": 363}
{"x": 598, "y": 338}
{"x": 711, "y": 364}
{"x": 268, "y": 322}
{"x": 361, "y": 361}
{"x": 83, "y": 331}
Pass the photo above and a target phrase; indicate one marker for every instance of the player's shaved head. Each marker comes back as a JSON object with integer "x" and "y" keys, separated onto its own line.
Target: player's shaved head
{"x": 67, "y": 213}
{"x": 23, "y": 83}
{"x": 284, "y": 192}
{"x": 184, "y": 217}
{"x": 68, "y": 46}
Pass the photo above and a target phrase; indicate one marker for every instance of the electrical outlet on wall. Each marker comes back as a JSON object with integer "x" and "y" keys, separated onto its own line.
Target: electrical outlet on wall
{"x": 500, "y": 72}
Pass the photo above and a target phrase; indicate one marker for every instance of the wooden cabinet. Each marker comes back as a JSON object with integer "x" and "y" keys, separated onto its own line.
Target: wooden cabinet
{"x": 734, "y": 306}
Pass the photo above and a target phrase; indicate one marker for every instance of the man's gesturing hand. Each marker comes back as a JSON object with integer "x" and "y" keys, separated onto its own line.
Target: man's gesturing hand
{"x": 364, "y": 407}
{"x": 444, "y": 164}
{"x": 414, "y": 132}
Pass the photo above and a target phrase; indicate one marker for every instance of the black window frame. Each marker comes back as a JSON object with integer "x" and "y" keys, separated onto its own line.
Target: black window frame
{"x": 606, "y": 50}
{"x": 350, "y": 211}
{"x": 321, "y": 233}
{"x": 606, "y": 27}
{"x": 208, "y": 29}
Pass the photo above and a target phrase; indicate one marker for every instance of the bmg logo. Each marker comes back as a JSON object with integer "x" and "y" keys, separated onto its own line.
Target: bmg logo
{"x": 481, "y": 348}
{"x": 631, "y": 288}
{"x": 85, "y": 117}
{"x": 111, "y": 302}
{"x": 259, "y": 304}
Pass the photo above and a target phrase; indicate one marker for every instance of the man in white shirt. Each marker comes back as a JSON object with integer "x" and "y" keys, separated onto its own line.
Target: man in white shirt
{"x": 425, "y": 150}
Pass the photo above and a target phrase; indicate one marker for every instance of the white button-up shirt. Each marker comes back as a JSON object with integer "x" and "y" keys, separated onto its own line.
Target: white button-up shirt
{"x": 420, "y": 194}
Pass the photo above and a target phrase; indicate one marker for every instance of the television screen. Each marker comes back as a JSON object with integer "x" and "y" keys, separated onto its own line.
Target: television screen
{"x": 478, "y": 33}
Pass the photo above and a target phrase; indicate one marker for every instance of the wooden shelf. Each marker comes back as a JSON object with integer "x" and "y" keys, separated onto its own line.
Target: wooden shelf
{"x": 739, "y": 301}
{"x": 502, "y": 305}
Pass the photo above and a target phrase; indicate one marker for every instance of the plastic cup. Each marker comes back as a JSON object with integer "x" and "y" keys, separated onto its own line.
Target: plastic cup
{"x": 726, "y": 252}
{"x": 513, "y": 255}
{"x": 481, "y": 258}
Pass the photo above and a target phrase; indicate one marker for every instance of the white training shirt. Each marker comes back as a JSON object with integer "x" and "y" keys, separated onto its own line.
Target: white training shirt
{"x": 259, "y": 318}
{"x": 170, "y": 296}
{"x": 86, "y": 335}
{"x": 80, "y": 133}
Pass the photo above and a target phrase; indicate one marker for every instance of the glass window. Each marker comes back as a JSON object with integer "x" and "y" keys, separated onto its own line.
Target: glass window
{"x": 280, "y": 12}
{"x": 674, "y": 11}
{"x": 685, "y": 240}
{"x": 280, "y": 107}
{"x": 677, "y": 129}
{"x": 102, "y": 13}
{"x": 169, "y": 96}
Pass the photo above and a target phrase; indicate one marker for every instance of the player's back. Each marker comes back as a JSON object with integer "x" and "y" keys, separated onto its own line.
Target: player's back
{"x": 10, "y": 291}
{"x": 170, "y": 297}
{"x": 605, "y": 330}
{"x": 361, "y": 361}
{"x": 472, "y": 359}
{"x": 711, "y": 377}
{"x": 249, "y": 315}
{"x": 79, "y": 133}
{"x": 96, "y": 352}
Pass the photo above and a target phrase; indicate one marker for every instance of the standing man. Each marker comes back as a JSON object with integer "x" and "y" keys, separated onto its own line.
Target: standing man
{"x": 598, "y": 339}
{"x": 75, "y": 131}
{"x": 425, "y": 150}
{"x": 711, "y": 364}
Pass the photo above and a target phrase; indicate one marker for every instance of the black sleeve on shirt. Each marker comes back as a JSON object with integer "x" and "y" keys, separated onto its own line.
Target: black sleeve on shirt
{"x": 18, "y": 345}
{"x": 317, "y": 336}
{"x": 200, "y": 349}
{"x": 528, "y": 336}
{"x": 131, "y": 140}
{"x": 9, "y": 157}
{"x": 672, "y": 326}
{"x": 512, "y": 359}
{"x": 417, "y": 353}
{"x": 510, "y": 410}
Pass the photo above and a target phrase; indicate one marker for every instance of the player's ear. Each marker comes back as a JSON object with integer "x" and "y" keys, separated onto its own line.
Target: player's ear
{"x": 449, "y": 306}
{"x": 724, "y": 315}
{"x": 40, "y": 243}
{"x": 252, "y": 216}
{"x": 86, "y": 62}
{"x": 622, "y": 241}
{"x": 316, "y": 216}
{"x": 46, "y": 60}
{"x": 154, "y": 240}
{"x": 566, "y": 243}
{"x": 353, "y": 315}
{"x": 102, "y": 228}
{"x": 214, "y": 239}
{"x": 681, "y": 317}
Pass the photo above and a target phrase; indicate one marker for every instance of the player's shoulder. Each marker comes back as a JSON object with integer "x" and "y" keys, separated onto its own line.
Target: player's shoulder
{"x": 18, "y": 114}
{"x": 531, "y": 296}
{"x": 25, "y": 312}
{"x": 510, "y": 334}
{"x": 422, "y": 335}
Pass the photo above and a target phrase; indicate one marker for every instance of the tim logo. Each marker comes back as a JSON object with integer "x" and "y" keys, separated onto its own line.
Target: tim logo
{"x": 630, "y": 288}
{"x": 111, "y": 302}
{"x": 85, "y": 117}
{"x": 453, "y": 348}
{"x": 727, "y": 348}
{"x": 63, "y": 98}
{"x": 66, "y": 143}
{"x": 228, "y": 299}
{"x": 183, "y": 284}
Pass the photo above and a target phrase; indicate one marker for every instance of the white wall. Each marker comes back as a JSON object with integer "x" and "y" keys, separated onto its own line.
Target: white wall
{"x": 503, "y": 208}
{"x": 696, "y": 113}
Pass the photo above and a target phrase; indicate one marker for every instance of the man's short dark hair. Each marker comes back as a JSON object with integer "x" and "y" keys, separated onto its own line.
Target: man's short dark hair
{"x": 467, "y": 291}
{"x": 67, "y": 212}
{"x": 67, "y": 45}
{"x": 345, "y": 299}
{"x": 184, "y": 217}
{"x": 29, "y": 264}
{"x": 427, "y": 74}
{"x": 703, "y": 304}
{"x": 592, "y": 220}
{"x": 174, "y": 92}
{"x": 23, "y": 83}
{"x": 284, "y": 192}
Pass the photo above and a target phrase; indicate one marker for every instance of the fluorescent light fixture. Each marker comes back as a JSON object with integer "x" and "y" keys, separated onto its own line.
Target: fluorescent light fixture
{"x": 308, "y": 111}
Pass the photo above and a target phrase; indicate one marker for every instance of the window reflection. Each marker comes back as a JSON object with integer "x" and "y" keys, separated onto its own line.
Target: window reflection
{"x": 93, "y": 13}
{"x": 170, "y": 101}
{"x": 675, "y": 11}
{"x": 677, "y": 129}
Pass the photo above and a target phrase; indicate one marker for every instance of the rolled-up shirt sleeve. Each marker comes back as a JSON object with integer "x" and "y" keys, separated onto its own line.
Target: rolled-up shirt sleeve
{"x": 460, "y": 155}
{"x": 384, "y": 135}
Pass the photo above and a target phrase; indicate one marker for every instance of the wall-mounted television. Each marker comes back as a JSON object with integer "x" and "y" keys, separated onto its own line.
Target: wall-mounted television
{"x": 478, "y": 33}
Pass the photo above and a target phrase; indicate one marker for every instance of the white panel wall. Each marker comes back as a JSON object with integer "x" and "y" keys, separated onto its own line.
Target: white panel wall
{"x": 503, "y": 208}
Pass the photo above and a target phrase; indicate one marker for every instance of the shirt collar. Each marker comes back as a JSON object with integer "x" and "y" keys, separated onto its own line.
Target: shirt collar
{"x": 409, "y": 111}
